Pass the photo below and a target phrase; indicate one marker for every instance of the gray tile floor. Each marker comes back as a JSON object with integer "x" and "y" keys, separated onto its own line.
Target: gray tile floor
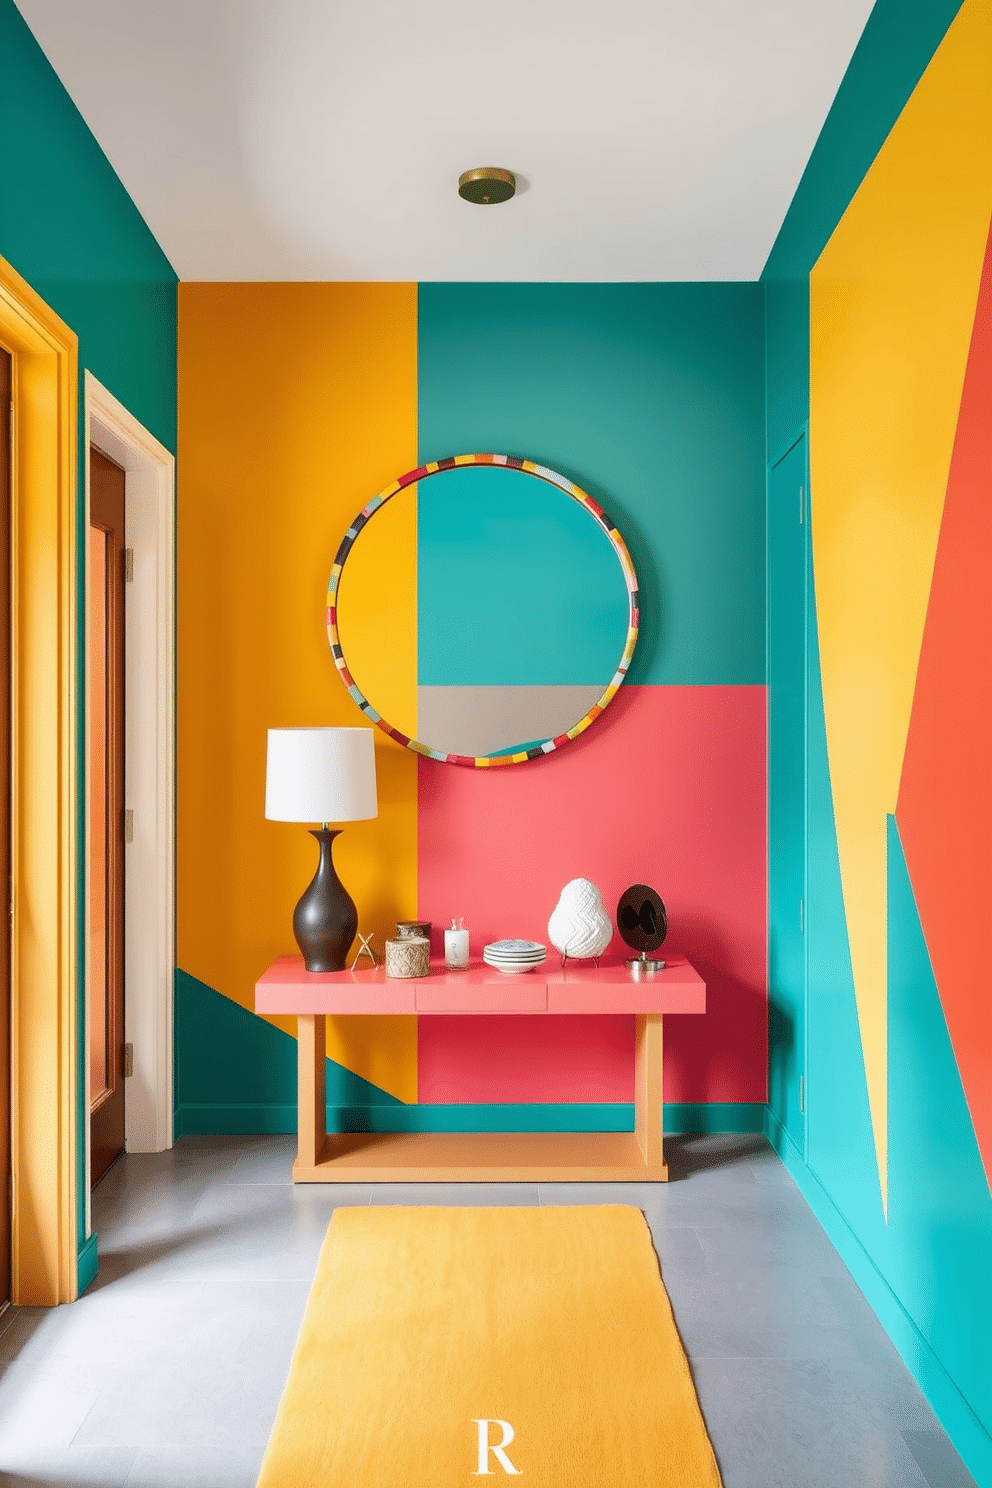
{"x": 167, "y": 1373}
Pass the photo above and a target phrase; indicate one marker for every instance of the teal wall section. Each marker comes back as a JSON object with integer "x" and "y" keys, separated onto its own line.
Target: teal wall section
{"x": 924, "y": 1265}
{"x": 649, "y": 397}
{"x": 253, "y": 1089}
{"x": 70, "y": 229}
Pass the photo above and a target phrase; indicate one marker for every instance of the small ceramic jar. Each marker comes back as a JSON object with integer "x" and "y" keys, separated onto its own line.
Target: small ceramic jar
{"x": 408, "y": 956}
{"x": 406, "y": 928}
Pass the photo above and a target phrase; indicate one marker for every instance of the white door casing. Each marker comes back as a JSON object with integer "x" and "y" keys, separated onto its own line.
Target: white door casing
{"x": 149, "y": 764}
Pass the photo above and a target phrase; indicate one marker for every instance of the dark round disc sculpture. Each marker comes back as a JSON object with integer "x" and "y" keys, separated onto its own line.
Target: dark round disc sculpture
{"x": 325, "y": 921}
{"x": 641, "y": 918}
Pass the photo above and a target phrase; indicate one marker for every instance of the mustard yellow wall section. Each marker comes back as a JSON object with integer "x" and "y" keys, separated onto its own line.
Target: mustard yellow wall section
{"x": 892, "y": 301}
{"x": 297, "y": 403}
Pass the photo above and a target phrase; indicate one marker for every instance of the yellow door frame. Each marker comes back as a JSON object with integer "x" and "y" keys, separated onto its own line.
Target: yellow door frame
{"x": 44, "y": 952}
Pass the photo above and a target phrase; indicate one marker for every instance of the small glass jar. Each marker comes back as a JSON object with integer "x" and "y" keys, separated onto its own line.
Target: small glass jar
{"x": 456, "y": 946}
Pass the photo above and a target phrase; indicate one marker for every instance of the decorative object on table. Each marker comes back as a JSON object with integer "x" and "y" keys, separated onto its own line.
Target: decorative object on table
{"x": 514, "y": 956}
{"x": 579, "y": 926}
{"x": 456, "y": 946}
{"x": 573, "y": 598}
{"x": 365, "y": 949}
{"x": 408, "y": 956}
{"x": 322, "y": 775}
{"x": 643, "y": 924}
{"x": 406, "y": 928}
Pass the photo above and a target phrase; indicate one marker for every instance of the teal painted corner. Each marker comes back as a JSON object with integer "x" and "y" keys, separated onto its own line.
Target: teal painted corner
{"x": 650, "y": 397}
{"x": 233, "y": 1066}
{"x": 66, "y": 214}
{"x": 68, "y": 226}
{"x": 87, "y": 1263}
{"x": 788, "y": 563}
{"x": 897, "y": 43}
{"x": 786, "y": 363}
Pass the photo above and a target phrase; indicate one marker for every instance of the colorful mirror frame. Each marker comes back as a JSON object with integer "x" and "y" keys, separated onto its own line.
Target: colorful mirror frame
{"x": 536, "y": 749}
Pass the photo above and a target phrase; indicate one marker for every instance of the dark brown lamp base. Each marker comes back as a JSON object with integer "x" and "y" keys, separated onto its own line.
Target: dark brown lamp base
{"x": 325, "y": 922}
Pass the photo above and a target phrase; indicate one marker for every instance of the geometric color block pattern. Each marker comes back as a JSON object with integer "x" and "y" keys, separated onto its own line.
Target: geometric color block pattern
{"x": 945, "y": 796}
{"x": 236, "y": 1065}
{"x": 892, "y": 299}
{"x": 939, "y": 1188}
{"x": 538, "y": 748}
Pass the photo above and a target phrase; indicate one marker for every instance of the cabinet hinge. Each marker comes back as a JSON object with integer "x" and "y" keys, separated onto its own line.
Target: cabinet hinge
{"x": 129, "y": 565}
{"x": 128, "y": 1061}
{"x": 802, "y": 917}
{"x": 802, "y": 503}
{"x": 802, "y": 1093}
{"x": 129, "y": 825}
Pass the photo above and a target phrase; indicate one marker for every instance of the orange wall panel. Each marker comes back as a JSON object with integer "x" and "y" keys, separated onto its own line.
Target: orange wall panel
{"x": 297, "y": 403}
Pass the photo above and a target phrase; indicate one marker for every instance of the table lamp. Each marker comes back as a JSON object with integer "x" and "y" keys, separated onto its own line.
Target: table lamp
{"x": 322, "y": 775}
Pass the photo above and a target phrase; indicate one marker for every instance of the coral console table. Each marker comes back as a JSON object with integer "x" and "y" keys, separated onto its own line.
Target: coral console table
{"x": 527, "y": 1157}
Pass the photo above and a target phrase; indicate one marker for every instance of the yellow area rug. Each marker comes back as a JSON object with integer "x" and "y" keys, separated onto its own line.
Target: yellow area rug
{"x": 442, "y": 1345}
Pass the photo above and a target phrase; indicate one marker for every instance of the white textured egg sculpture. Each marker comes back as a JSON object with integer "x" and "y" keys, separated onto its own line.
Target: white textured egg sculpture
{"x": 579, "y": 925}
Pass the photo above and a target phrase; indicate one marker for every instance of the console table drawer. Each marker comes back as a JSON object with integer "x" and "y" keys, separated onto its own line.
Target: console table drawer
{"x": 511, "y": 995}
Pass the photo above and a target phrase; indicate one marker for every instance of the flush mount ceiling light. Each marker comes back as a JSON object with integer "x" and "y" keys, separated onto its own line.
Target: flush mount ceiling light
{"x": 487, "y": 185}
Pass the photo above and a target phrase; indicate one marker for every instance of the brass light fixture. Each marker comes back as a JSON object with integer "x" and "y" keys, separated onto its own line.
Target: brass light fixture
{"x": 487, "y": 185}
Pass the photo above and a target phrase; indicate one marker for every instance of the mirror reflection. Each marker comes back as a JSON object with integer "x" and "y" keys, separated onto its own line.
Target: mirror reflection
{"x": 482, "y": 610}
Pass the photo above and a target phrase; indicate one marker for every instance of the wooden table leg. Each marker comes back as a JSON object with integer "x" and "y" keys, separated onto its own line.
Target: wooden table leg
{"x": 311, "y": 1107}
{"x": 648, "y": 1091}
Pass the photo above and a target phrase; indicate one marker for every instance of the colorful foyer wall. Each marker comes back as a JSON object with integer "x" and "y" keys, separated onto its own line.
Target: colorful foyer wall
{"x": 889, "y": 995}
{"x": 70, "y": 229}
{"x": 297, "y": 404}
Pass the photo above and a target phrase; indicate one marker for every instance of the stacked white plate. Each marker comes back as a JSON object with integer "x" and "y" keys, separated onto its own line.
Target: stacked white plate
{"x": 514, "y": 956}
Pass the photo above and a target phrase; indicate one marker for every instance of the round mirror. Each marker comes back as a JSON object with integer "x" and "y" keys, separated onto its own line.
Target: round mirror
{"x": 482, "y": 610}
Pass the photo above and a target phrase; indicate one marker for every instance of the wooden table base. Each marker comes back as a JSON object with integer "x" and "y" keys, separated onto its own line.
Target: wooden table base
{"x": 481, "y": 1157}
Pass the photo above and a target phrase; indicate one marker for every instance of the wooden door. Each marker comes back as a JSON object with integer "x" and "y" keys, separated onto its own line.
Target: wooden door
{"x": 105, "y": 727}
{"x": 6, "y": 483}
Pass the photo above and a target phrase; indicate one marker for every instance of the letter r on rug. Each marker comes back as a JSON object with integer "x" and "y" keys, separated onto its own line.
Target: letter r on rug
{"x": 485, "y": 1447}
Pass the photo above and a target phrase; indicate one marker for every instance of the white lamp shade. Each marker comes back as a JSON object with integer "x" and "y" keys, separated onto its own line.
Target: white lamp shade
{"x": 320, "y": 775}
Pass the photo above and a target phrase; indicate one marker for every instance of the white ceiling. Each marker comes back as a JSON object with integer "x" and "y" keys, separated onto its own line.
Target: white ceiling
{"x": 323, "y": 139}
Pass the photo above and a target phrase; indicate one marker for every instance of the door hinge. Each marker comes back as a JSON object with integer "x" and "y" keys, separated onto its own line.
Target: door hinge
{"x": 802, "y": 1093}
{"x": 802, "y": 917}
{"x": 128, "y": 1061}
{"x": 129, "y": 565}
{"x": 129, "y": 825}
{"x": 802, "y": 495}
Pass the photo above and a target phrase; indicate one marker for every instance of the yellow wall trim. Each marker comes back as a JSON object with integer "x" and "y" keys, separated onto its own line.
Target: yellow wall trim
{"x": 43, "y": 807}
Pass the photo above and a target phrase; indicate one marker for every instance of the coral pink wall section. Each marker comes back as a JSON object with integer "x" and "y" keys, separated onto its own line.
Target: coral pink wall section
{"x": 667, "y": 788}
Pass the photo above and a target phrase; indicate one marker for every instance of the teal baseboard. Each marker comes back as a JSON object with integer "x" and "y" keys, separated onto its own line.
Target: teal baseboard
{"x": 971, "y": 1440}
{"x": 712, "y": 1118}
{"x": 87, "y": 1264}
{"x": 261, "y": 1119}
